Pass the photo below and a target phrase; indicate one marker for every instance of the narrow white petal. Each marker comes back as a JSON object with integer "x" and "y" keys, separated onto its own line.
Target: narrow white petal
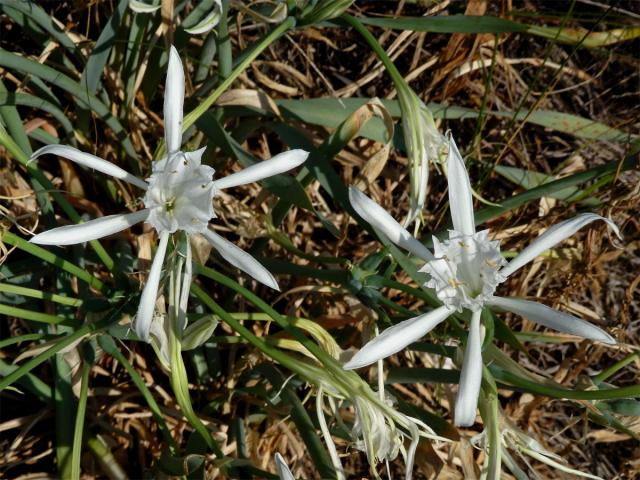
{"x": 551, "y": 318}
{"x": 395, "y": 338}
{"x": 553, "y": 236}
{"x": 91, "y": 230}
{"x": 460, "y": 194}
{"x": 173, "y": 102}
{"x": 470, "y": 376}
{"x": 150, "y": 292}
{"x": 241, "y": 259}
{"x": 91, "y": 161}
{"x": 375, "y": 215}
{"x": 141, "y": 7}
{"x": 283, "y": 470}
{"x": 283, "y": 162}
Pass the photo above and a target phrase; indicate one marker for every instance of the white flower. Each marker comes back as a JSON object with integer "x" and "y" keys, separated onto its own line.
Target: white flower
{"x": 178, "y": 196}
{"x": 207, "y": 24}
{"x": 465, "y": 271}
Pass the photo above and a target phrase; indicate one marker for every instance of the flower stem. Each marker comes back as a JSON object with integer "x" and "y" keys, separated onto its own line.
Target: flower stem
{"x": 78, "y": 432}
{"x": 392, "y": 70}
{"x": 602, "y": 376}
{"x": 178, "y": 371}
{"x": 489, "y": 409}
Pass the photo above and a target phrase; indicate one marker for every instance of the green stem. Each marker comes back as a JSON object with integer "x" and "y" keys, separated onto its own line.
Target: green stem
{"x": 320, "y": 354}
{"x": 389, "y": 66}
{"x": 490, "y": 410}
{"x": 601, "y": 394}
{"x": 80, "y": 421}
{"x": 178, "y": 372}
{"x": 602, "y": 376}
{"x": 279, "y": 356}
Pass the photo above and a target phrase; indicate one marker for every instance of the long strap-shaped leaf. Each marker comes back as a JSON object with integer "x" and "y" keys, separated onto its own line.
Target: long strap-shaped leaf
{"x": 84, "y": 99}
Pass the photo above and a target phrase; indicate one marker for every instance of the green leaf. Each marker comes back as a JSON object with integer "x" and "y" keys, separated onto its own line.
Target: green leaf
{"x": 330, "y": 112}
{"x": 47, "y": 256}
{"x": 448, "y": 24}
{"x": 33, "y": 293}
{"x": 9, "y": 114}
{"x": 44, "y": 20}
{"x": 82, "y": 97}
{"x": 571, "y": 394}
{"x": 199, "y": 332}
{"x": 548, "y": 189}
{"x": 24, "y": 99}
{"x": 102, "y": 48}
{"x": 621, "y": 407}
{"x": 33, "y": 316}
{"x": 528, "y": 179}
{"x": 28, "y": 381}
{"x": 412, "y": 375}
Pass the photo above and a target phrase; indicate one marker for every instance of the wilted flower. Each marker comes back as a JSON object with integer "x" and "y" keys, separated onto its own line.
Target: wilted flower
{"x": 178, "y": 197}
{"x": 208, "y": 23}
{"x": 376, "y": 435}
{"x": 424, "y": 144}
{"x": 464, "y": 272}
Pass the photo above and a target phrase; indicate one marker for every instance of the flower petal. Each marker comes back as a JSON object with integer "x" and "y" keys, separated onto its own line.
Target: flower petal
{"x": 460, "y": 194}
{"x": 173, "y": 102}
{"x": 283, "y": 470}
{"x": 91, "y": 161}
{"x": 281, "y": 163}
{"x": 555, "y": 234}
{"x": 470, "y": 376}
{"x": 395, "y": 338}
{"x": 150, "y": 293}
{"x": 241, "y": 259}
{"x": 551, "y": 318}
{"x": 91, "y": 230}
{"x": 377, "y": 216}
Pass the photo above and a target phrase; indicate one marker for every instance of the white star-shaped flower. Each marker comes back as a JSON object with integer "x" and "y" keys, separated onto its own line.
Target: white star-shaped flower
{"x": 464, "y": 272}
{"x": 178, "y": 196}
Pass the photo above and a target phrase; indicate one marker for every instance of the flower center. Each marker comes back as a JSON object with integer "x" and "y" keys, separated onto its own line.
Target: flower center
{"x": 465, "y": 273}
{"x": 170, "y": 205}
{"x": 180, "y": 193}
